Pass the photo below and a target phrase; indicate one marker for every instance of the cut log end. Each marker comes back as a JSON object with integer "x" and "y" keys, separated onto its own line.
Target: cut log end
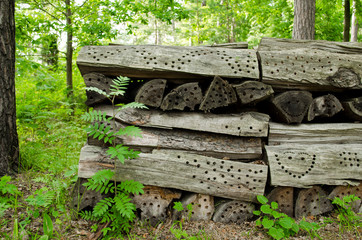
{"x": 187, "y": 95}
{"x": 284, "y": 197}
{"x": 345, "y": 78}
{"x": 324, "y": 106}
{"x": 99, "y": 81}
{"x": 353, "y": 108}
{"x": 292, "y": 106}
{"x": 342, "y": 191}
{"x": 233, "y": 212}
{"x": 219, "y": 94}
{"x": 202, "y": 207}
{"x": 251, "y": 92}
{"x": 151, "y": 93}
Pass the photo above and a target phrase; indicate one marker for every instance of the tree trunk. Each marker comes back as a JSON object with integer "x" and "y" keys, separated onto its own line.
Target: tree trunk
{"x": 304, "y": 19}
{"x": 347, "y": 20}
{"x": 9, "y": 146}
{"x": 354, "y": 31}
{"x": 69, "y": 54}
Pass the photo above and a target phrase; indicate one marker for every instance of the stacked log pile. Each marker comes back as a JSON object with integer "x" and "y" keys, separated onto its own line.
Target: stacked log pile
{"x": 227, "y": 124}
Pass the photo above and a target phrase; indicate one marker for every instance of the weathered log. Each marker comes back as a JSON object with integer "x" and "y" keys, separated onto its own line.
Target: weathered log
{"x": 169, "y": 62}
{"x": 250, "y": 124}
{"x": 99, "y": 81}
{"x": 235, "y": 45}
{"x": 187, "y": 95}
{"x": 324, "y": 106}
{"x": 190, "y": 172}
{"x": 281, "y": 44}
{"x": 342, "y": 191}
{"x": 314, "y": 70}
{"x": 291, "y": 106}
{"x": 151, "y": 93}
{"x": 202, "y": 207}
{"x": 253, "y": 91}
{"x": 312, "y": 202}
{"x": 208, "y": 144}
{"x": 353, "y": 108}
{"x": 219, "y": 94}
{"x": 284, "y": 197}
{"x": 318, "y": 133}
{"x": 154, "y": 203}
{"x": 233, "y": 212}
{"x": 307, "y": 165}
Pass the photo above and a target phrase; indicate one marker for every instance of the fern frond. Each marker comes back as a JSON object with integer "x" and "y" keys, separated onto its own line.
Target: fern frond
{"x": 101, "y": 131}
{"x": 122, "y": 152}
{"x": 124, "y": 206}
{"x": 88, "y": 215}
{"x": 97, "y": 90}
{"x": 100, "y": 182}
{"x": 134, "y": 105}
{"x": 131, "y": 131}
{"x": 102, "y": 207}
{"x": 95, "y": 116}
{"x": 131, "y": 186}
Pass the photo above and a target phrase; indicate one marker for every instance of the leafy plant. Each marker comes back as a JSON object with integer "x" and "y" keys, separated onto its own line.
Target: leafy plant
{"x": 117, "y": 211}
{"x": 347, "y": 217}
{"x": 8, "y": 194}
{"x": 279, "y": 225}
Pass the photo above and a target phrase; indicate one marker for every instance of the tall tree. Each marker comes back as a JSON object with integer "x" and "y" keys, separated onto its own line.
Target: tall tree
{"x": 347, "y": 20}
{"x": 9, "y": 145}
{"x": 304, "y": 19}
{"x": 354, "y": 30}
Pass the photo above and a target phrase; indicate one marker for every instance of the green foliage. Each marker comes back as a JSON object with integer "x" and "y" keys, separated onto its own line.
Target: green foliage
{"x": 118, "y": 210}
{"x": 348, "y": 219}
{"x": 8, "y": 194}
{"x": 279, "y": 225}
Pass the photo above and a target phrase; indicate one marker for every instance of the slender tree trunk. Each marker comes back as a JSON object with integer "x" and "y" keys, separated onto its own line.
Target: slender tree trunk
{"x": 354, "y": 30}
{"x": 347, "y": 20}
{"x": 69, "y": 54}
{"x": 304, "y": 19}
{"x": 9, "y": 145}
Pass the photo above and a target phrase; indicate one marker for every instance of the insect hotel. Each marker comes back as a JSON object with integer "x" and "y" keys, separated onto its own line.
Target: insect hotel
{"x": 226, "y": 123}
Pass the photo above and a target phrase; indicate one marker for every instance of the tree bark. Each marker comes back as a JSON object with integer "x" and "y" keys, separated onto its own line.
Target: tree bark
{"x": 304, "y": 19}
{"x": 69, "y": 54}
{"x": 347, "y": 20}
{"x": 9, "y": 146}
{"x": 354, "y": 30}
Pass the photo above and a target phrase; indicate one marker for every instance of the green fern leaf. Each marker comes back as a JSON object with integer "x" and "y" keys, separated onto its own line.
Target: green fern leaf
{"x": 97, "y": 90}
{"x": 131, "y": 131}
{"x": 134, "y": 105}
{"x": 102, "y": 207}
{"x": 122, "y": 153}
{"x": 131, "y": 186}
{"x": 124, "y": 206}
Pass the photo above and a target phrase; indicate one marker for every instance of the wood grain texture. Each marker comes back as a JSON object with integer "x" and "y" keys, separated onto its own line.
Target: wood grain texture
{"x": 353, "y": 108}
{"x": 250, "y": 124}
{"x": 235, "y": 45}
{"x": 314, "y": 70}
{"x": 282, "y": 44}
{"x": 324, "y": 106}
{"x": 168, "y": 61}
{"x": 342, "y": 191}
{"x": 235, "y": 212}
{"x": 202, "y": 207}
{"x": 208, "y": 144}
{"x": 151, "y": 93}
{"x": 251, "y": 92}
{"x": 285, "y": 199}
{"x": 307, "y": 165}
{"x": 184, "y": 171}
{"x": 316, "y": 133}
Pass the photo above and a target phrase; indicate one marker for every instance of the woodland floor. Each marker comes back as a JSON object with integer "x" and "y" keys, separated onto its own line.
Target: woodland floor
{"x": 71, "y": 228}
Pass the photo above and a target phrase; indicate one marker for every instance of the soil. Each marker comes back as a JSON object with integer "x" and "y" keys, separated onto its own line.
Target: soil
{"x": 69, "y": 228}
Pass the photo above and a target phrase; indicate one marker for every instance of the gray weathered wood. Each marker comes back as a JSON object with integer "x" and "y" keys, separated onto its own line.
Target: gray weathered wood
{"x": 154, "y": 203}
{"x": 291, "y": 106}
{"x": 250, "y": 124}
{"x": 253, "y": 91}
{"x": 307, "y": 165}
{"x": 324, "y": 106}
{"x": 342, "y": 191}
{"x": 151, "y": 93}
{"x": 219, "y": 94}
{"x": 208, "y": 144}
{"x": 233, "y": 212}
{"x": 281, "y": 44}
{"x": 99, "y": 81}
{"x": 285, "y": 199}
{"x": 186, "y": 95}
{"x": 353, "y": 108}
{"x": 308, "y": 69}
{"x": 168, "y": 61}
{"x": 202, "y": 207}
{"x": 312, "y": 202}
{"x": 180, "y": 170}
{"x": 318, "y": 133}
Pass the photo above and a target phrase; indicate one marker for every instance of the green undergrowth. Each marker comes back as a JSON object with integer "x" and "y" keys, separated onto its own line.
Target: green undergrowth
{"x": 49, "y": 126}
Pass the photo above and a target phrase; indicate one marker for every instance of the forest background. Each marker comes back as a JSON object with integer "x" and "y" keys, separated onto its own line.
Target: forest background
{"x": 50, "y": 91}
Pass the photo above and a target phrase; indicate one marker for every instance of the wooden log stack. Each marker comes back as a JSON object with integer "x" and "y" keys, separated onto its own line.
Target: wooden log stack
{"x": 227, "y": 124}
